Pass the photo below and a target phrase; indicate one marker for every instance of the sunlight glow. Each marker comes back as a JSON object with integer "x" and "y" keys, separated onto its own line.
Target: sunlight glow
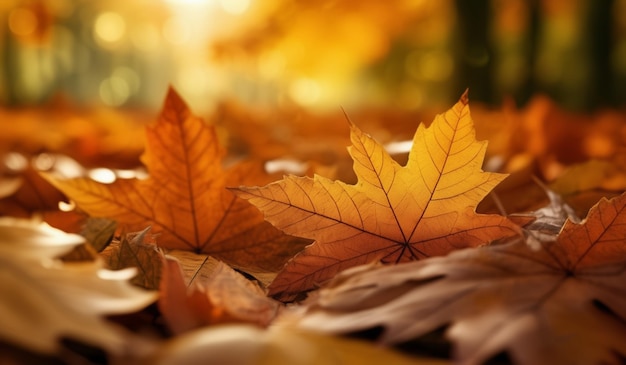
{"x": 305, "y": 91}
{"x": 126, "y": 174}
{"x": 43, "y": 162}
{"x": 114, "y": 91}
{"x": 67, "y": 207}
{"x": 102, "y": 175}
{"x": 176, "y": 31}
{"x": 183, "y": 2}
{"x": 395, "y": 148}
{"x": 235, "y": 7}
{"x": 109, "y": 27}
{"x": 15, "y": 161}
{"x": 145, "y": 36}
{"x": 22, "y": 22}
{"x": 286, "y": 165}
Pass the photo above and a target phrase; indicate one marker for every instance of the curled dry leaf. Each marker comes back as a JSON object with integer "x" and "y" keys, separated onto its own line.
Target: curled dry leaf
{"x": 564, "y": 303}
{"x": 544, "y": 224}
{"x": 394, "y": 213}
{"x": 43, "y": 299}
{"x": 132, "y": 251}
{"x": 223, "y": 296}
{"x": 184, "y": 200}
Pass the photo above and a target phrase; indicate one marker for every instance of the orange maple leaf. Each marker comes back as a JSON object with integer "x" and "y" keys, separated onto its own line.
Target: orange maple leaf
{"x": 185, "y": 199}
{"x": 393, "y": 213}
{"x": 561, "y": 303}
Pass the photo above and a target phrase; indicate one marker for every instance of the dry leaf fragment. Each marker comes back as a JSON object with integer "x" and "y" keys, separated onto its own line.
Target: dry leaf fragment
{"x": 226, "y": 296}
{"x": 199, "y": 268}
{"x": 184, "y": 200}
{"x": 99, "y": 232}
{"x": 544, "y": 224}
{"x": 132, "y": 251}
{"x": 43, "y": 299}
{"x": 394, "y": 213}
{"x": 562, "y": 304}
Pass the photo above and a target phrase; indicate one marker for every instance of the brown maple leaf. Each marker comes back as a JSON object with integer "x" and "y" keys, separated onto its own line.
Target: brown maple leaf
{"x": 224, "y": 296}
{"x": 394, "y": 213}
{"x": 564, "y": 303}
{"x": 134, "y": 250}
{"x": 184, "y": 200}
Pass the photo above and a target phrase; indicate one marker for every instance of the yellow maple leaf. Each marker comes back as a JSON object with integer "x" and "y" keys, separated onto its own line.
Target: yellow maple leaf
{"x": 184, "y": 200}
{"x": 393, "y": 213}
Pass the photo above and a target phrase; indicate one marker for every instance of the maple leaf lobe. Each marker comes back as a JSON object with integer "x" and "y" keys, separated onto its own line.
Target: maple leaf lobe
{"x": 599, "y": 240}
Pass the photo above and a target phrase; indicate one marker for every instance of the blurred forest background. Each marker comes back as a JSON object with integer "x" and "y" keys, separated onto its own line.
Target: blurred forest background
{"x": 402, "y": 54}
{"x": 80, "y": 79}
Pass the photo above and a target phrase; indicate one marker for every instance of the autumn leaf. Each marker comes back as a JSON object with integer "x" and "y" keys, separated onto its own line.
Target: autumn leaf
{"x": 99, "y": 232}
{"x": 199, "y": 268}
{"x": 223, "y": 297}
{"x": 43, "y": 299}
{"x": 132, "y": 250}
{"x": 590, "y": 175}
{"x": 247, "y": 344}
{"x": 184, "y": 200}
{"x": 394, "y": 213}
{"x": 544, "y": 224}
{"x": 564, "y": 303}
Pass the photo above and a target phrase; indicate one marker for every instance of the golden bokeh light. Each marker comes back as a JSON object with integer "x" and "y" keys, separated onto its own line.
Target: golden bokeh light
{"x": 109, "y": 27}
{"x": 145, "y": 36}
{"x": 67, "y": 207}
{"x": 235, "y": 7}
{"x": 176, "y": 31}
{"x": 114, "y": 91}
{"x": 102, "y": 175}
{"x": 15, "y": 161}
{"x": 305, "y": 91}
{"x": 22, "y": 22}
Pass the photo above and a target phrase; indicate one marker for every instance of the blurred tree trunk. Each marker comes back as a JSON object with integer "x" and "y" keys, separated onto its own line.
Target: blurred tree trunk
{"x": 600, "y": 42}
{"x": 528, "y": 87}
{"x": 474, "y": 49}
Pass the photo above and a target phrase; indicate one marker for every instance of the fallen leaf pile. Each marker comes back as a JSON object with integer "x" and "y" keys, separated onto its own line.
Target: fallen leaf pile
{"x": 407, "y": 251}
{"x": 562, "y": 303}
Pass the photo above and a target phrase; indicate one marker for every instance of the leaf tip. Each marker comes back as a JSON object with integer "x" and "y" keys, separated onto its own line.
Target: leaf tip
{"x": 464, "y": 99}
{"x": 173, "y": 101}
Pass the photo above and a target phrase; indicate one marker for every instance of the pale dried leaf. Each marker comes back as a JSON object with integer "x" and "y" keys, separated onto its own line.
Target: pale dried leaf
{"x": 43, "y": 299}
{"x": 245, "y": 344}
{"x": 99, "y": 232}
